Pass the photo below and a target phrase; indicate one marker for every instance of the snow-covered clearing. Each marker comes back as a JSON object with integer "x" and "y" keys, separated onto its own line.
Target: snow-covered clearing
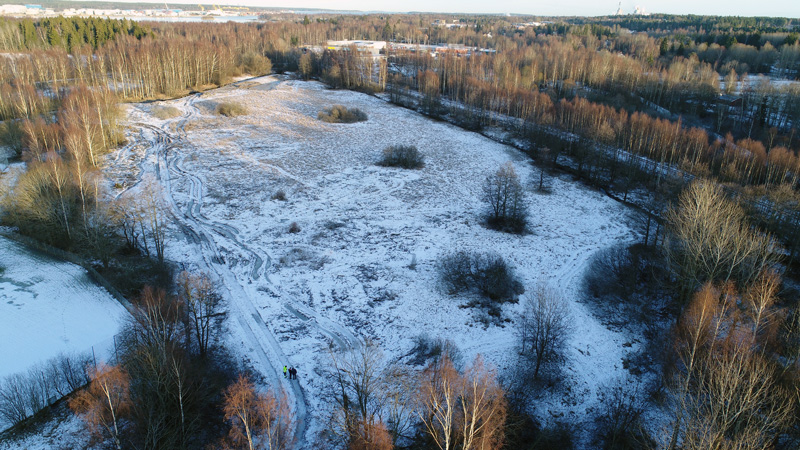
{"x": 64, "y": 430}
{"x": 48, "y": 307}
{"x": 346, "y": 276}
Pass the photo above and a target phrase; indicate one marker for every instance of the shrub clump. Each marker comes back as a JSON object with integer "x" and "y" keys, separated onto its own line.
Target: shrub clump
{"x": 505, "y": 196}
{"x": 405, "y": 156}
{"x": 231, "y": 109}
{"x": 486, "y": 273}
{"x": 163, "y": 112}
{"x": 427, "y": 348}
{"x": 294, "y": 228}
{"x": 279, "y": 195}
{"x": 341, "y": 114}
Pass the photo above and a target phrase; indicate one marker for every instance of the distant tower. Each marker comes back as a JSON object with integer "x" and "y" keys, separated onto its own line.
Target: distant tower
{"x": 619, "y": 10}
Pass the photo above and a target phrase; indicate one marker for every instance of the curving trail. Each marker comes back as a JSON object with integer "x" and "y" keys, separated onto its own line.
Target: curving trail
{"x": 165, "y": 150}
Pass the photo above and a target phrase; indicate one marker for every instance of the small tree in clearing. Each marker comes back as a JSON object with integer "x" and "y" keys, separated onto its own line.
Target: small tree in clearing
{"x": 504, "y": 194}
{"x": 543, "y": 329}
{"x": 544, "y": 161}
{"x": 105, "y": 400}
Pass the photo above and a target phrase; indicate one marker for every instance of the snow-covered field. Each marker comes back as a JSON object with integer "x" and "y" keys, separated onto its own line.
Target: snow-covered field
{"x": 346, "y": 276}
{"x": 48, "y": 307}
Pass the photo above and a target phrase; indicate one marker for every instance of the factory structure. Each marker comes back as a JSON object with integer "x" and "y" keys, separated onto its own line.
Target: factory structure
{"x": 637, "y": 11}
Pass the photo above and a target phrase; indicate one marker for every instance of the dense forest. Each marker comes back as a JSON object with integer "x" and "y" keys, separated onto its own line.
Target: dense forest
{"x": 690, "y": 120}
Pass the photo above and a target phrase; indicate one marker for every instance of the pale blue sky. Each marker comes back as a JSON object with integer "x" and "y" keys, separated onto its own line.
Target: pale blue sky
{"x": 783, "y": 8}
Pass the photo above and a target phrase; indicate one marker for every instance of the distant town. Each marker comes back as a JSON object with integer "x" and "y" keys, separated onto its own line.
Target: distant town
{"x": 34, "y": 10}
{"x": 209, "y": 13}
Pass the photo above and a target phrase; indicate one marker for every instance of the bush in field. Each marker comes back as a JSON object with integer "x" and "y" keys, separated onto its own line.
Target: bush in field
{"x": 165, "y": 112}
{"x": 488, "y": 274}
{"x": 405, "y": 156}
{"x": 427, "y": 348}
{"x": 505, "y": 196}
{"x": 341, "y": 114}
{"x": 294, "y": 228}
{"x": 620, "y": 422}
{"x": 279, "y": 195}
{"x": 231, "y": 109}
{"x": 630, "y": 284}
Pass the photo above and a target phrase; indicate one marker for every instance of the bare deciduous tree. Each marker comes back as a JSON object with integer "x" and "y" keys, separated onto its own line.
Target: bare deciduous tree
{"x": 105, "y": 401}
{"x": 543, "y": 160}
{"x": 154, "y": 217}
{"x": 543, "y": 328}
{"x": 712, "y": 241}
{"x": 372, "y": 398}
{"x": 199, "y": 295}
{"x": 504, "y": 194}
{"x": 725, "y": 386}
{"x": 462, "y": 411}
{"x": 257, "y": 420}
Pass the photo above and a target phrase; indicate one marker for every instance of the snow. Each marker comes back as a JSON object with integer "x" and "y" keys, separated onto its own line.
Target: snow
{"x": 345, "y": 277}
{"x": 63, "y": 431}
{"x": 48, "y": 307}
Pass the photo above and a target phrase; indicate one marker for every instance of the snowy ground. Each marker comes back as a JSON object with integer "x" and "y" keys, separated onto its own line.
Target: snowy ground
{"x": 47, "y": 307}
{"x": 345, "y": 276}
{"x": 64, "y": 431}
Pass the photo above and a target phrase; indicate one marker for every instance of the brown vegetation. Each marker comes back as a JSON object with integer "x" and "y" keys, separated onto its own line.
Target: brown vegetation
{"x": 105, "y": 402}
{"x": 257, "y": 420}
{"x": 727, "y": 377}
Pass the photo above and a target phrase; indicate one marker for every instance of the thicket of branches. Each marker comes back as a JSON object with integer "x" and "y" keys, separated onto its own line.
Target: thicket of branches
{"x": 165, "y": 389}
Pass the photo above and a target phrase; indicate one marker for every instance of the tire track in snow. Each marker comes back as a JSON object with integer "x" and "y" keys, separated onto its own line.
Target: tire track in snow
{"x": 206, "y": 233}
{"x": 263, "y": 343}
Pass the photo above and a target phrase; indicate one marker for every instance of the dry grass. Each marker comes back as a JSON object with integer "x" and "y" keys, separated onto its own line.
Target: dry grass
{"x": 231, "y": 109}
{"x": 341, "y": 114}
{"x": 164, "y": 112}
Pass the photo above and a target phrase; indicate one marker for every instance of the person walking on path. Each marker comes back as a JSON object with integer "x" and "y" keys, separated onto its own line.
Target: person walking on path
{"x": 284, "y": 371}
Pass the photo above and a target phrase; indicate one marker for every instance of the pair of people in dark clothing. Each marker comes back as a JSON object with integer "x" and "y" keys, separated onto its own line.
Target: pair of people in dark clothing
{"x": 292, "y": 373}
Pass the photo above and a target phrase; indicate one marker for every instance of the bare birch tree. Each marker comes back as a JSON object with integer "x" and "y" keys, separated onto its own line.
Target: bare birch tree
{"x": 105, "y": 401}
{"x": 712, "y": 241}
{"x": 199, "y": 294}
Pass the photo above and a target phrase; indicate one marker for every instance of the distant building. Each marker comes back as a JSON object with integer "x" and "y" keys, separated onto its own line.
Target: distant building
{"x": 372, "y": 47}
{"x": 446, "y": 24}
{"x": 522, "y": 26}
{"x": 730, "y": 100}
{"x": 437, "y": 49}
{"x": 13, "y": 9}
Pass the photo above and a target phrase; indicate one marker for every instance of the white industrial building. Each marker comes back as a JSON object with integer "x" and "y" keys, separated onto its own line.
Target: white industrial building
{"x": 372, "y": 47}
